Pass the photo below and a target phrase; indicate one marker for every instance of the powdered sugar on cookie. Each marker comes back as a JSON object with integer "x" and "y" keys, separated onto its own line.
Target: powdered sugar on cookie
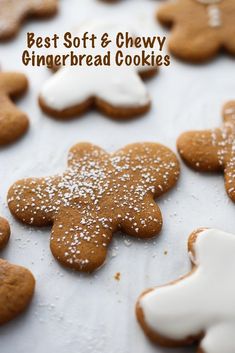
{"x": 97, "y": 195}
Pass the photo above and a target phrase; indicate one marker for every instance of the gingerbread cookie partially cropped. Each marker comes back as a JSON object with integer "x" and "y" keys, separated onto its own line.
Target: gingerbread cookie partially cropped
{"x": 4, "y": 232}
{"x": 14, "y": 12}
{"x": 117, "y": 91}
{"x": 13, "y": 122}
{"x": 200, "y": 305}
{"x": 200, "y": 28}
{"x": 16, "y": 290}
{"x": 213, "y": 150}
{"x": 97, "y": 195}
{"x": 16, "y": 283}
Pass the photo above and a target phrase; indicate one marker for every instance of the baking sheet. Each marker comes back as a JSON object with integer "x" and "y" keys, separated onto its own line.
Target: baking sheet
{"x": 79, "y": 313}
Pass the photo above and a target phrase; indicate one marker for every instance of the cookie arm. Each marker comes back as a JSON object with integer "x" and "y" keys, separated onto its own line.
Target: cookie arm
{"x": 165, "y": 314}
{"x": 80, "y": 242}
{"x": 31, "y": 203}
{"x": 200, "y": 149}
{"x": 45, "y": 8}
{"x": 12, "y": 84}
{"x": 166, "y": 14}
{"x": 13, "y": 122}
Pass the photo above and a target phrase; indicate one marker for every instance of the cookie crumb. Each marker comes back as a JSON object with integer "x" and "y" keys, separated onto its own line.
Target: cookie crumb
{"x": 117, "y": 276}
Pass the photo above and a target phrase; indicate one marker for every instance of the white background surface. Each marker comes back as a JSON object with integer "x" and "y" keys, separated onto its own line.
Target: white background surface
{"x": 95, "y": 313}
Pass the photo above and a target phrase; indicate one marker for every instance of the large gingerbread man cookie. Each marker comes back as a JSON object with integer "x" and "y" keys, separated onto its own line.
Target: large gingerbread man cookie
{"x": 213, "y": 150}
{"x": 200, "y": 28}
{"x": 200, "y": 305}
{"x": 97, "y": 195}
{"x": 14, "y": 12}
{"x": 16, "y": 290}
{"x": 115, "y": 90}
{"x": 13, "y": 122}
{"x": 4, "y": 232}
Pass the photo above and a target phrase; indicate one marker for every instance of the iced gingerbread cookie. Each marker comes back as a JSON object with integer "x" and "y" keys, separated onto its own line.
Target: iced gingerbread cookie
{"x": 213, "y": 150}
{"x": 13, "y": 122}
{"x": 16, "y": 290}
{"x": 97, "y": 195}
{"x": 200, "y": 305}
{"x": 200, "y": 28}
{"x": 117, "y": 91}
{"x": 14, "y": 12}
{"x": 4, "y": 232}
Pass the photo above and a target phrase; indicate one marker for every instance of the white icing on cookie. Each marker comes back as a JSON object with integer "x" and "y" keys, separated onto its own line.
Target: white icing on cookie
{"x": 118, "y": 86}
{"x": 214, "y": 13}
{"x": 203, "y": 302}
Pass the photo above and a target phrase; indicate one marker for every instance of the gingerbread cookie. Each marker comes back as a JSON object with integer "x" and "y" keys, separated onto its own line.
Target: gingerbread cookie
{"x": 16, "y": 290}
{"x": 200, "y": 305}
{"x": 13, "y": 122}
{"x": 97, "y": 195}
{"x": 4, "y": 232}
{"x": 201, "y": 28}
{"x": 213, "y": 150}
{"x": 117, "y": 91}
{"x": 14, "y": 12}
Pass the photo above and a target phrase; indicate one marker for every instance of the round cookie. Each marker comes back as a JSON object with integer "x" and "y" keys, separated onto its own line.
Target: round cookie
{"x": 4, "y": 232}
{"x": 213, "y": 150}
{"x": 198, "y": 306}
{"x": 200, "y": 28}
{"x": 14, "y": 12}
{"x": 117, "y": 91}
{"x": 16, "y": 290}
{"x": 13, "y": 122}
{"x": 96, "y": 196}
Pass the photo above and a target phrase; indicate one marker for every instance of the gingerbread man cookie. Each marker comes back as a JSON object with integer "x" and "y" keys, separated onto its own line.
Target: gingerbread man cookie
{"x": 13, "y": 122}
{"x": 115, "y": 90}
{"x": 97, "y": 195}
{"x": 4, "y": 232}
{"x": 201, "y": 28}
{"x": 200, "y": 305}
{"x": 14, "y": 12}
{"x": 213, "y": 150}
{"x": 16, "y": 290}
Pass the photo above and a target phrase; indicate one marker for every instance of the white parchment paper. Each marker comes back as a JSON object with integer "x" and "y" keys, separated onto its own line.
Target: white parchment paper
{"x": 95, "y": 313}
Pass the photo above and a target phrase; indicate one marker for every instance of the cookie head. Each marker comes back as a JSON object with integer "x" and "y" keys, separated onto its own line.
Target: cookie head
{"x": 198, "y": 306}
{"x": 13, "y": 122}
{"x": 4, "y": 232}
{"x": 213, "y": 150}
{"x": 200, "y": 28}
{"x": 97, "y": 195}
{"x": 14, "y": 12}
{"x": 16, "y": 290}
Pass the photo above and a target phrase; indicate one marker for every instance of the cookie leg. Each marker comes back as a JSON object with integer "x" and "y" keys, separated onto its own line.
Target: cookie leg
{"x": 145, "y": 221}
{"x": 199, "y": 149}
{"x": 78, "y": 242}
